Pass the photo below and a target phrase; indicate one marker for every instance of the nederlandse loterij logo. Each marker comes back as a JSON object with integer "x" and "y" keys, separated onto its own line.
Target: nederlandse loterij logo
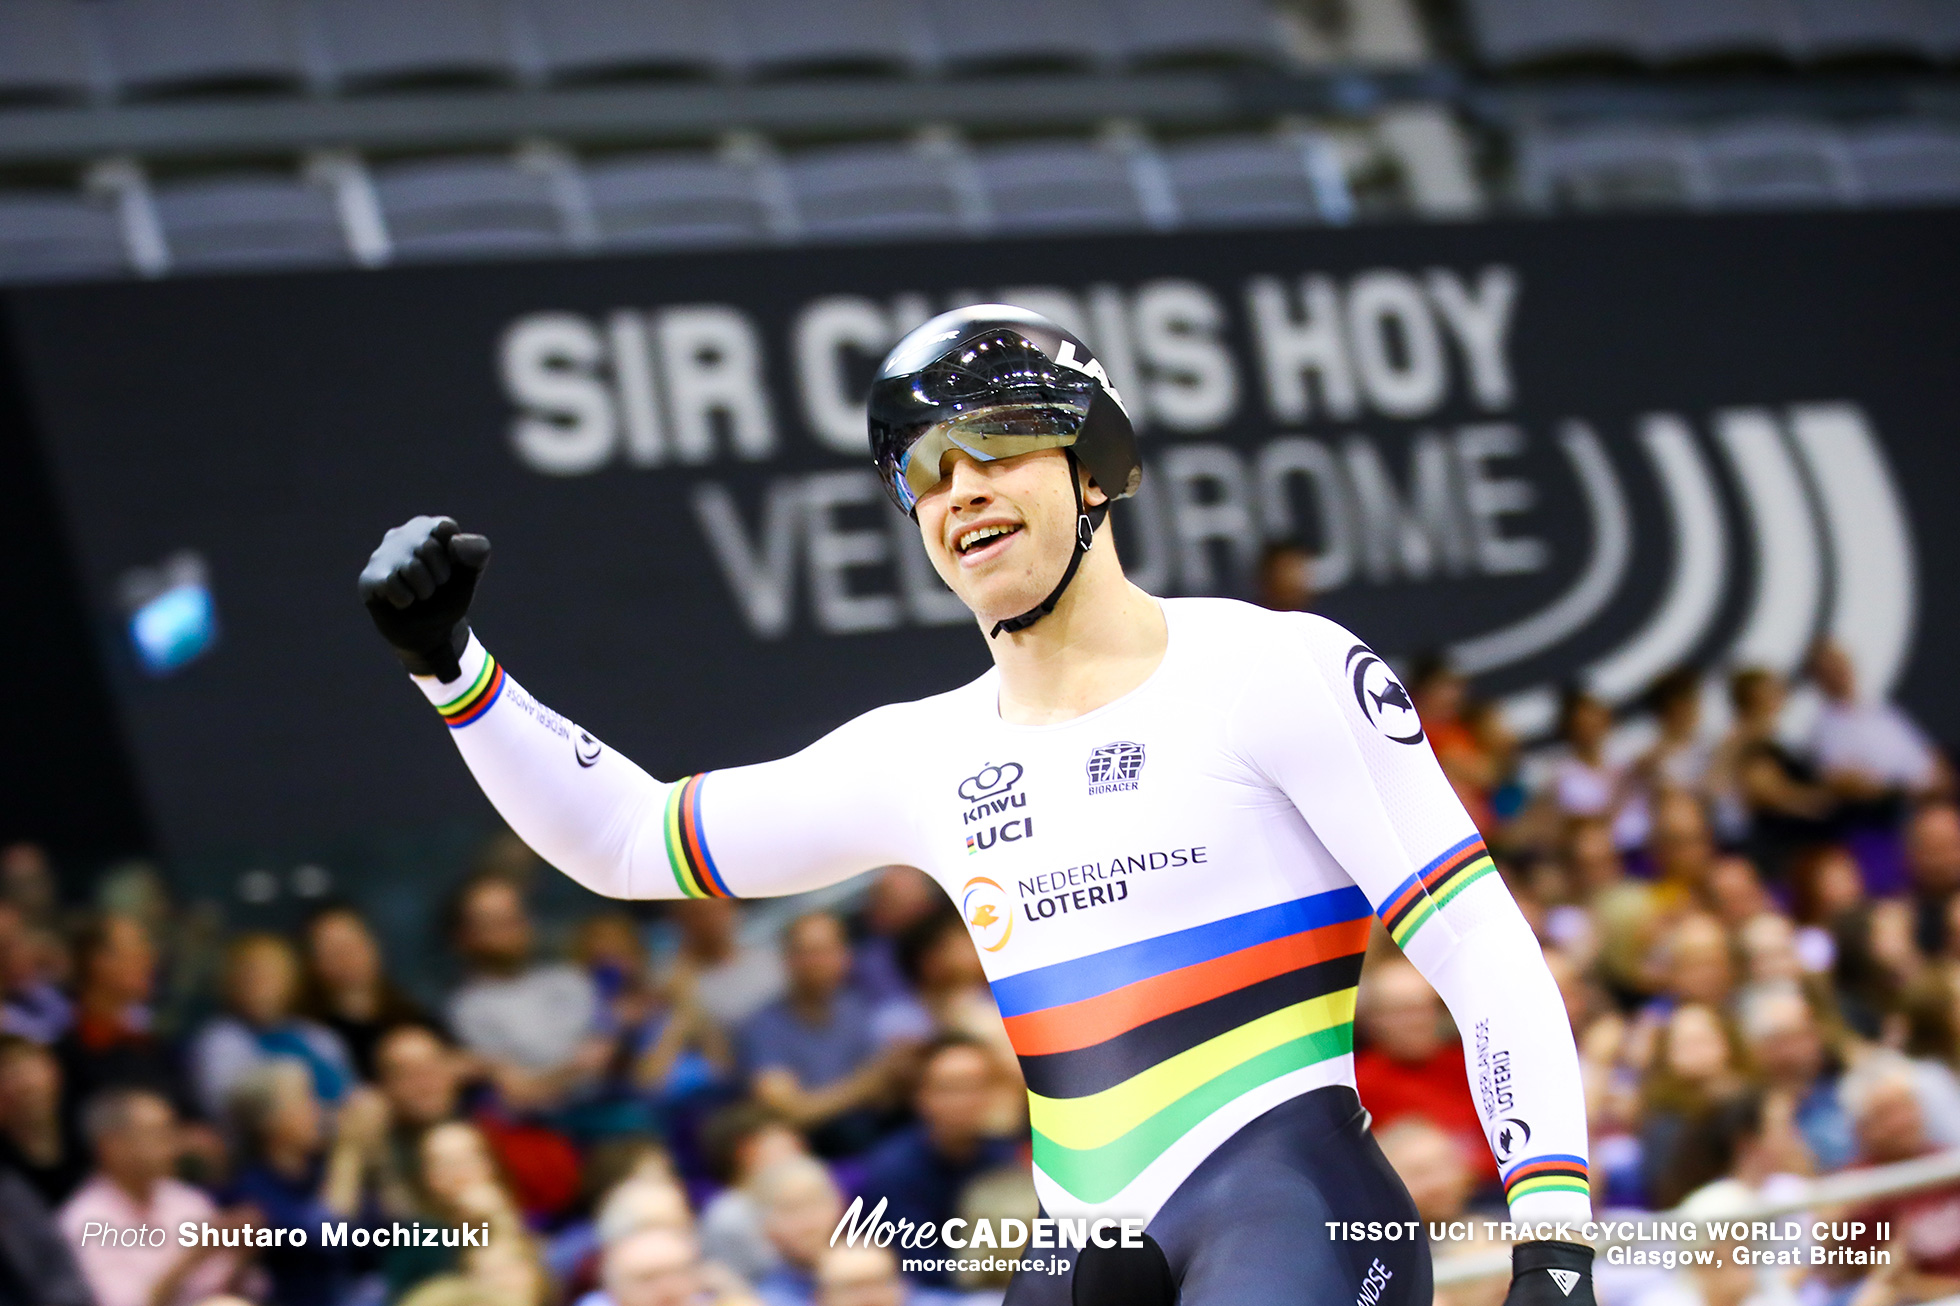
{"x": 1383, "y": 700}
{"x": 988, "y": 912}
{"x": 1115, "y": 767}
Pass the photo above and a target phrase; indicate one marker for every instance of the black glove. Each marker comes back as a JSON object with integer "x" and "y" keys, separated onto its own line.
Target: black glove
{"x": 1551, "y": 1274}
{"x": 417, "y": 587}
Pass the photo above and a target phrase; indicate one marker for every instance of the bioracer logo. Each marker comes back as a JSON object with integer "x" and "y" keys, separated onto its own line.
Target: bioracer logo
{"x": 1114, "y": 768}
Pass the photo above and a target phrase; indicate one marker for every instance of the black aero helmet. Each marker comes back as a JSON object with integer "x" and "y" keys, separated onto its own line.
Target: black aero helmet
{"x": 994, "y": 381}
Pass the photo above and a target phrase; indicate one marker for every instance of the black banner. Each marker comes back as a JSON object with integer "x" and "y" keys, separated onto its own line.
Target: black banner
{"x": 1584, "y": 449}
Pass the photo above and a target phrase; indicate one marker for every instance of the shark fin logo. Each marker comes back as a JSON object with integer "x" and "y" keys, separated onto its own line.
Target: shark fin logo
{"x": 1383, "y": 701}
{"x": 988, "y": 913}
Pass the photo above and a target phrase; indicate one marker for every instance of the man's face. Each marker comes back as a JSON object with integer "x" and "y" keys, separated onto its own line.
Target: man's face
{"x": 418, "y": 1077}
{"x": 799, "y": 1218}
{"x": 1000, "y": 533}
{"x": 143, "y": 1149}
{"x": 955, "y": 1094}
{"x": 30, "y": 1087}
{"x": 1786, "y": 1045}
{"x": 496, "y": 932}
{"x": 1890, "y": 1125}
{"x": 1933, "y": 849}
{"x": 859, "y": 1276}
{"x": 1402, "y": 1015}
{"x": 817, "y": 956}
{"x": 124, "y": 966}
{"x": 654, "y": 1267}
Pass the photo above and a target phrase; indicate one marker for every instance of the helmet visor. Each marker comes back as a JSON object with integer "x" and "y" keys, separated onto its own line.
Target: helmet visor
{"x": 911, "y": 469}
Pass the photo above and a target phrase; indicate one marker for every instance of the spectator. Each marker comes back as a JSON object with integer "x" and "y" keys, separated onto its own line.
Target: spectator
{"x": 37, "y": 1267}
{"x": 27, "y": 880}
{"x": 1584, "y": 780}
{"x": 261, "y": 986}
{"x": 1408, "y": 1067}
{"x": 950, "y": 995}
{"x": 31, "y": 1006}
{"x": 111, "y": 1044}
{"x": 133, "y": 1133}
{"x": 294, "y": 1177}
{"x": 1697, "y": 1062}
{"x": 1432, "y": 1166}
{"x": 1924, "y": 1028}
{"x": 1441, "y": 694}
{"x": 1883, "y": 1103}
{"x": 810, "y": 1055}
{"x": 35, "y": 1141}
{"x": 1682, "y": 850}
{"x": 347, "y": 989}
{"x": 1869, "y": 752}
{"x": 534, "y": 1025}
{"x": 1791, "y": 1058}
{"x": 735, "y": 977}
{"x": 1286, "y": 577}
{"x": 1678, "y": 761}
{"x": 1876, "y": 961}
{"x": 921, "y": 1170}
{"x": 1746, "y": 1150}
{"x": 1933, "y": 870}
{"x": 900, "y": 897}
{"x": 1778, "y": 804}
{"x": 1003, "y": 1193}
{"x": 671, "y": 1049}
{"x": 742, "y": 1142}
{"x": 1699, "y": 965}
{"x": 800, "y": 1208}
{"x": 859, "y": 1276}
{"x": 662, "y": 1267}
{"x": 461, "y": 1184}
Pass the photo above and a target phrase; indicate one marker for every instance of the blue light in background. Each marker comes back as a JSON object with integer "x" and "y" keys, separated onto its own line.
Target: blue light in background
{"x": 174, "y": 628}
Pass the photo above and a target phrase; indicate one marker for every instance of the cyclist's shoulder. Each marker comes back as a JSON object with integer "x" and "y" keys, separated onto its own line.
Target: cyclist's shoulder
{"x": 1243, "y": 632}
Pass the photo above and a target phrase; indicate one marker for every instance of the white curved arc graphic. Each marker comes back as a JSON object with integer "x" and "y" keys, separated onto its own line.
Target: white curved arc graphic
{"x": 1694, "y": 591}
{"x": 1789, "y": 563}
{"x": 1611, "y": 551}
{"x": 1874, "y": 599}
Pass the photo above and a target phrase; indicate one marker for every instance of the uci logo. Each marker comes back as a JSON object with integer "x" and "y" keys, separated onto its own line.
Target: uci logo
{"x": 988, "y": 913}
{"x": 990, "y": 781}
{"x": 1383, "y": 700}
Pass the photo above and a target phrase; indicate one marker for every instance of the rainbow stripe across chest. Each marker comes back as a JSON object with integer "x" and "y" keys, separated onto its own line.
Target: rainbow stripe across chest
{"x": 1126, "y": 1050}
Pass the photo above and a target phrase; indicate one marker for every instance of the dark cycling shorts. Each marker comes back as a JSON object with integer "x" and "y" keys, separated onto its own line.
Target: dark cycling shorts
{"x": 1250, "y": 1224}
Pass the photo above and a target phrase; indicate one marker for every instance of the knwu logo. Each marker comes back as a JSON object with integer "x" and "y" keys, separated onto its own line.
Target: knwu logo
{"x": 1114, "y": 768}
{"x": 990, "y": 792}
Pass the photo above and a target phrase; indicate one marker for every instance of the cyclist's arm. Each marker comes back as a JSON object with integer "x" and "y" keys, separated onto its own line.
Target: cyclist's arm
{"x": 1386, "y": 812}
{"x": 753, "y": 831}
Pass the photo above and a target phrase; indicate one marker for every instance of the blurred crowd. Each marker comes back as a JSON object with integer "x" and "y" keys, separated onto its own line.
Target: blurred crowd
{"x": 1753, "y": 913}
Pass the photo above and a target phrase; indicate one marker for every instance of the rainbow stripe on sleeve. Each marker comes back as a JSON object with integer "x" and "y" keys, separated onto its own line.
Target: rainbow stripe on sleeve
{"x": 687, "y": 848}
{"x": 473, "y": 702}
{"x": 1430, "y": 889}
{"x": 1551, "y": 1173}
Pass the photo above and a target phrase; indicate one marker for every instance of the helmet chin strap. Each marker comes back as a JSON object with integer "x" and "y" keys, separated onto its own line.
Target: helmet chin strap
{"x": 1086, "y": 521}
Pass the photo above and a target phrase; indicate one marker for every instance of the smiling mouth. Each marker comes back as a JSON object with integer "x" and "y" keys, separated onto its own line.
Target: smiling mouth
{"x": 974, "y": 541}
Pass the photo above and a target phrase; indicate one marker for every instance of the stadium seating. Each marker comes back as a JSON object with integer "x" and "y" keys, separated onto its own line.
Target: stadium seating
{"x": 376, "y": 44}
{"x": 1062, "y": 185}
{"x": 580, "y": 40}
{"x": 782, "y": 37}
{"x": 160, "y": 46}
{"x": 55, "y": 236}
{"x": 1774, "y": 164}
{"x": 44, "y": 52}
{"x": 1018, "y": 34}
{"x": 877, "y": 190}
{"x": 239, "y": 222}
{"x": 1512, "y": 33}
{"x": 1244, "y": 180}
{"x": 1905, "y": 163}
{"x": 1150, "y": 32}
{"x": 675, "y": 199}
{"x": 1630, "y": 166}
{"x": 460, "y": 207}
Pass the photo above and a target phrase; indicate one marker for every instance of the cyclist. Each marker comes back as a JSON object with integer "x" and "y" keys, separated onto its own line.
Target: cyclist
{"x": 1167, "y": 824}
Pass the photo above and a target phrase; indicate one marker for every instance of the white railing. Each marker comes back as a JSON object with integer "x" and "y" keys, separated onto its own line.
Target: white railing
{"x": 1831, "y": 1190}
